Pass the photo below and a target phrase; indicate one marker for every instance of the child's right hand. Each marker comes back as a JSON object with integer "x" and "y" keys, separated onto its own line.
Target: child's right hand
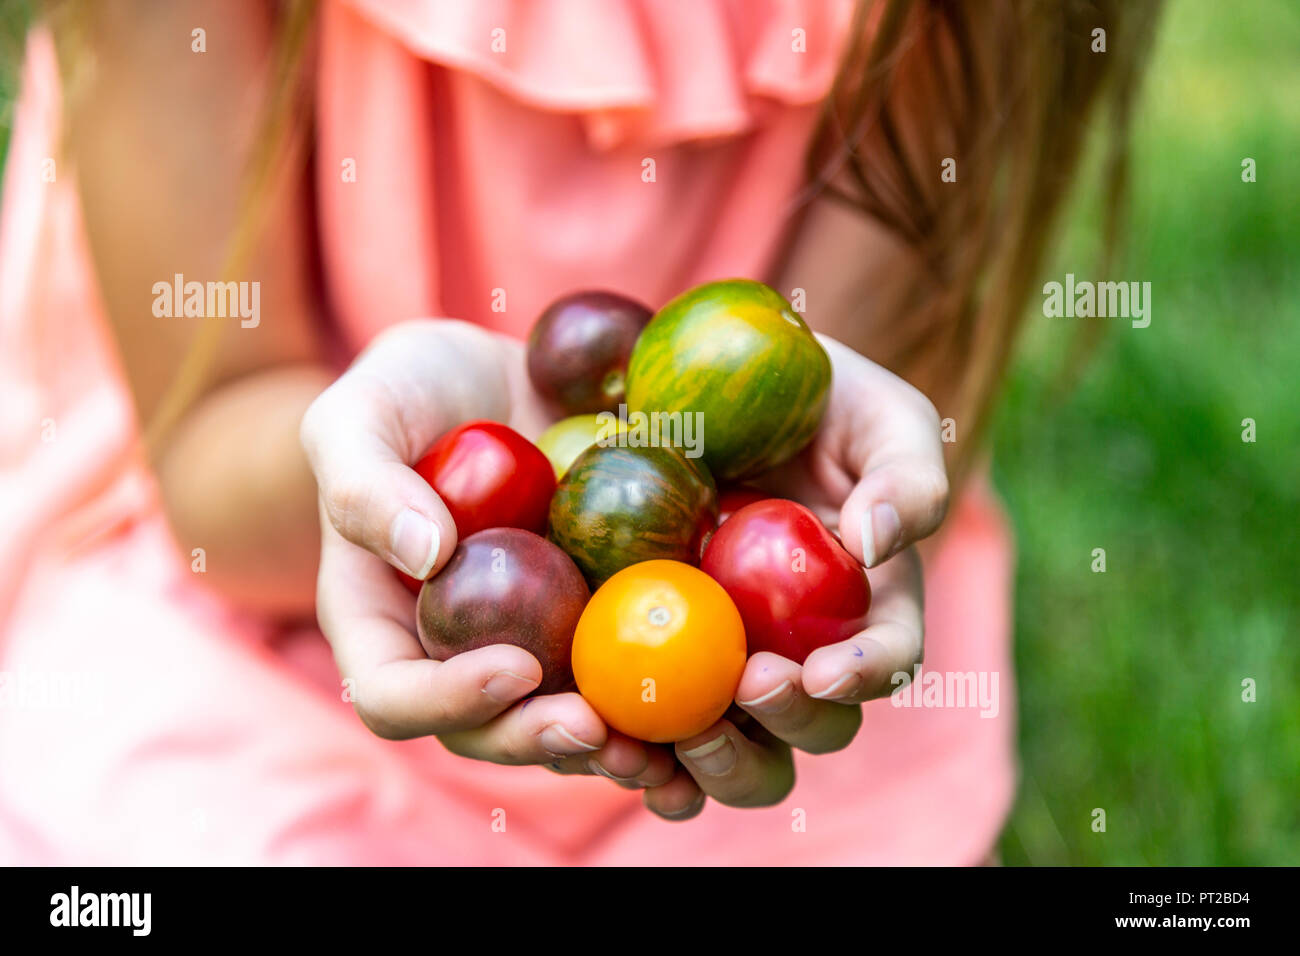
{"x": 416, "y": 381}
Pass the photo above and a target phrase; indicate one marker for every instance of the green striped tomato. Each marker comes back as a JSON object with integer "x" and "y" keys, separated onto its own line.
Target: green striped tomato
{"x": 616, "y": 507}
{"x": 738, "y": 354}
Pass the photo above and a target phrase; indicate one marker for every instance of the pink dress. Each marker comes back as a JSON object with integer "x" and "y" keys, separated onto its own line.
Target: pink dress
{"x": 501, "y": 152}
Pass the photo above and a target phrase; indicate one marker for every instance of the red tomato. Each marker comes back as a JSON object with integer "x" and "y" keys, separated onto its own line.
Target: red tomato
{"x": 731, "y": 498}
{"x": 796, "y": 587}
{"x": 489, "y": 476}
{"x": 734, "y": 497}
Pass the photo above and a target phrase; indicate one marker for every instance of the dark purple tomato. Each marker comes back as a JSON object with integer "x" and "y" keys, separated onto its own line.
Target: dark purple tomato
{"x": 505, "y": 586}
{"x": 579, "y": 348}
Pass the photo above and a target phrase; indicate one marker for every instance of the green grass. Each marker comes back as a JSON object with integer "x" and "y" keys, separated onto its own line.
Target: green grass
{"x": 1131, "y": 680}
{"x": 15, "y": 15}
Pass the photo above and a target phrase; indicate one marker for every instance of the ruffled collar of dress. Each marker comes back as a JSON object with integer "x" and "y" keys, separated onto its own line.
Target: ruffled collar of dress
{"x": 634, "y": 71}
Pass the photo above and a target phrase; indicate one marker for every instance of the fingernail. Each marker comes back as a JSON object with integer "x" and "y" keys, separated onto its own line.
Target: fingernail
{"x": 689, "y": 810}
{"x": 560, "y": 743}
{"x": 774, "y": 701}
{"x": 844, "y": 687}
{"x": 595, "y": 767}
{"x": 880, "y": 531}
{"x": 415, "y": 543}
{"x": 714, "y": 758}
{"x": 505, "y": 687}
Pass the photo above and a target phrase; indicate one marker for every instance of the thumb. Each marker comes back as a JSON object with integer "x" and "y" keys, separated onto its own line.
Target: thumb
{"x": 896, "y": 504}
{"x": 888, "y": 438}
{"x": 368, "y": 493}
{"x": 388, "y": 509}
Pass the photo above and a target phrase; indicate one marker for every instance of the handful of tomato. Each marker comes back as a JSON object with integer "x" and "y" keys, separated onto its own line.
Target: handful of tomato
{"x": 637, "y": 596}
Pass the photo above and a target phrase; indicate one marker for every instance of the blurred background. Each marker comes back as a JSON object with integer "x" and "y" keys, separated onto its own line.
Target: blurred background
{"x": 1131, "y": 680}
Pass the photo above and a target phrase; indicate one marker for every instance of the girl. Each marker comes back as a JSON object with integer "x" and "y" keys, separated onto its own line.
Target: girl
{"x": 386, "y": 175}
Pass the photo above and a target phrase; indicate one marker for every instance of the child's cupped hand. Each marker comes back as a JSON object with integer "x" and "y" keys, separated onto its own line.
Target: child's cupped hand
{"x": 875, "y": 469}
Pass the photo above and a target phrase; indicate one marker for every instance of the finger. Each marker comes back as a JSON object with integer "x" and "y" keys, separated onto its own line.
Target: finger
{"x": 735, "y": 770}
{"x": 537, "y": 731}
{"x": 678, "y": 800}
{"x": 632, "y": 764}
{"x": 869, "y": 664}
{"x": 771, "y": 690}
{"x": 416, "y": 698}
{"x": 396, "y": 690}
{"x": 404, "y": 697}
{"x": 896, "y": 455}
{"x": 414, "y": 382}
{"x": 367, "y": 492}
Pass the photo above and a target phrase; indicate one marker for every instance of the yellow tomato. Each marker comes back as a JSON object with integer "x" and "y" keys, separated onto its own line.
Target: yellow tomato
{"x": 570, "y": 437}
{"x": 659, "y": 651}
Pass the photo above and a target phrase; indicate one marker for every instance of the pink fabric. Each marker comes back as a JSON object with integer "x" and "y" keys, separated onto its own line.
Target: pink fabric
{"x": 523, "y": 171}
{"x": 174, "y": 730}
